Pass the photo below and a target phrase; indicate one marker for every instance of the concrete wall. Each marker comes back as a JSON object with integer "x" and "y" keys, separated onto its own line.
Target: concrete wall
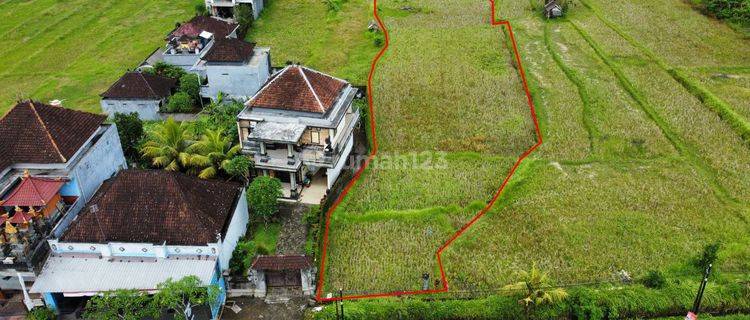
{"x": 237, "y": 228}
{"x": 237, "y": 81}
{"x": 185, "y": 61}
{"x": 100, "y": 162}
{"x": 334, "y": 172}
{"x": 133, "y": 249}
{"x": 147, "y": 110}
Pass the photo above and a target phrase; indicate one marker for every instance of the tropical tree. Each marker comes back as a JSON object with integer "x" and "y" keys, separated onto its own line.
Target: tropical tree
{"x": 130, "y": 128}
{"x": 182, "y": 295}
{"x": 167, "y": 146}
{"x": 211, "y": 154}
{"x": 262, "y": 197}
{"x": 538, "y": 290}
{"x": 121, "y": 305}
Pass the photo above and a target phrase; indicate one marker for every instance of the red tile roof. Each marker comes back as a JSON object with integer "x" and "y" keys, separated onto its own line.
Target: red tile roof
{"x": 297, "y": 88}
{"x": 156, "y": 206}
{"x": 138, "y": 85}
{"x": 193, "y": 28}
{"x": 229, "y": 50}
{"x": 34, "y": 132}
{"x": 33, "y": 191}
{"x": 294, "y": 262}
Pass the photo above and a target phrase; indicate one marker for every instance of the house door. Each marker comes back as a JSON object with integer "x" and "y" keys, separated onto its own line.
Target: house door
{"x": 286, "y": 278}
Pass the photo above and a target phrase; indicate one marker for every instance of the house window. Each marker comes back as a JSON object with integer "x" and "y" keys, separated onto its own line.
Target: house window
{"x": 315, "y": 136}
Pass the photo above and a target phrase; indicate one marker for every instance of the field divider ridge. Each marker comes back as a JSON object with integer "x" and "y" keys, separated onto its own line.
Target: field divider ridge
{"x": 321, "y": 272}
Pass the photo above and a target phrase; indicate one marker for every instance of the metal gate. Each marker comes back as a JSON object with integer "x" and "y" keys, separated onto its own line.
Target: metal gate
{"x": 286, "y": 278}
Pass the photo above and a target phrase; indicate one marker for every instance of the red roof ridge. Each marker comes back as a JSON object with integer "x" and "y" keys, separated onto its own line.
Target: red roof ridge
{"x": 148, "y": 84}
{"x": 324, "y": 74}
{"x": 309, "y": 86}
{"x": 46, "y": 131}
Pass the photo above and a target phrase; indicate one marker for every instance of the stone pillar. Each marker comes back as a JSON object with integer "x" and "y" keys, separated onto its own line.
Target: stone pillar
{"x": 293, "y": 179}
{"x": 262, "y": 148}
{"x": 307, "y": 287}
{"x": 289, "y": 151}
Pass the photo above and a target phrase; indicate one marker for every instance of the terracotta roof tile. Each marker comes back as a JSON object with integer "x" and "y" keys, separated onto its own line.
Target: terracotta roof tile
{"x": 33, "y": 191}
{"x": 156, "y": 206}
{"x": 299, "y": 88}
{"x": 34, "y": 132}
{"x": 137, "y": 85}
{"x": 193, "y": 28}
{"x": 294, "y": 262}
{"x": 229, "y": 50}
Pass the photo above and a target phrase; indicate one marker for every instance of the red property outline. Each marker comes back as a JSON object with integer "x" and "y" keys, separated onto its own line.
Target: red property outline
{"x": 321, "y": 276}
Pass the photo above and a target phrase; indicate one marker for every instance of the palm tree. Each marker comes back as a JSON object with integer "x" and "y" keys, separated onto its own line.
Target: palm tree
{"x": 168, "y": 145}
{"x": 211, "y": 153}
{"x": 538, "y": 290}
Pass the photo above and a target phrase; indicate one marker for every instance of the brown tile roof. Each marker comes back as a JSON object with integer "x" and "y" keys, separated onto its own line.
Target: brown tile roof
{"x": 229, "y": 50}
{"x": 193, "y": 28}
{"x": 299, "y": 88}
{"x": 33, "y": 132}
{"x": 137, "y": 85}
{"x": 156, "y": 206}
{"x": 295, "y": 262}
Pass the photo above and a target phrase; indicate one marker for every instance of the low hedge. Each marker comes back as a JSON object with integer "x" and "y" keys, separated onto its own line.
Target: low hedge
{"x": 602, "y": 302}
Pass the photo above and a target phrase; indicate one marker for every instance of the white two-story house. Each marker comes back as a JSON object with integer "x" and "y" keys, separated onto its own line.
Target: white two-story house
{"x": 234, "y": 68}
{"x": 300, "y": 128}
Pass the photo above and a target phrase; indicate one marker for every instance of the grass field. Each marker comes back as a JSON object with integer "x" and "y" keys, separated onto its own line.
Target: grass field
{"x": 75, "y": 49}
{"x": 636, "y": 173}
{"x": 638, "y": 170}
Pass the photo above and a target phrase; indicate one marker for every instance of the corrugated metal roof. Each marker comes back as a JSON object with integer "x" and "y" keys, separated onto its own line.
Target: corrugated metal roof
{"x": 87, "y": 276}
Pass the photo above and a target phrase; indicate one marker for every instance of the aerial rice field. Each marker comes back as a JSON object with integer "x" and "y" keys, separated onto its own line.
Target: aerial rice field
{"x": 638, "y": 170}
{"x": 73, "y": 50}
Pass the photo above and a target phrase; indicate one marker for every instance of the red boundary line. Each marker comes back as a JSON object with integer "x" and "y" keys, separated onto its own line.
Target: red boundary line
{"x": 321, "y": 276}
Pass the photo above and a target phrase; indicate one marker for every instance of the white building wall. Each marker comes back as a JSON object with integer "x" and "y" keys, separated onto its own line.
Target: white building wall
{"x": 237, "y": 228}
{"x": 237, "y": 81}
{"x": 132, "y": 249}
{"x": 333, "y": 173}
{"x": 147, "y": 110}
{"x": 100, "y": 162}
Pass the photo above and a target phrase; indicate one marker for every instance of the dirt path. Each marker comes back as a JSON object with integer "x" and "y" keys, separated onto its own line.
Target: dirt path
{"x": 293, "y": 230}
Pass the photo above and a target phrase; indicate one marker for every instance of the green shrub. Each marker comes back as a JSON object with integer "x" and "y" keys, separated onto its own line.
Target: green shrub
{"x": 242, "y": 256}
{"x": 239, "y": 167}
{"x": 655, "y": 279}
{"x": 190, "y": 84}
{"x": 166, "y": 70}
{"x": 262, "y": 197}
{"x": 709, "y": 256}
{"x": 42, "y": 313}
{"x": 730, "y": 9}
{"x": 244, "y": 15}
{"x": 602, "y": 302}
{"x": 180, "y": 102}
{"x": 130, "y": 129}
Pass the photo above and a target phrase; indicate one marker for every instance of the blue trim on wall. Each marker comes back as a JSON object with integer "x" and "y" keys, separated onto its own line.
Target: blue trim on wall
{"x": 71, "y": 189}
{"x": 218, "y": 280}
{"x": 50, "y": 301}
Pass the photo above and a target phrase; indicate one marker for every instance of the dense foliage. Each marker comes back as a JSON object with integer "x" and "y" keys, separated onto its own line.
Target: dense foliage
{"x": 121, "y": 305}
{"x": 262, "y": 196}
{"x": 130, "y": 129}
{"x": 42, "y": 313}
{"x": 244, "y": 15}
{"x": 595, "y": 303}
{"x": 167, "y": 146}
{"x": 738, "y": 10}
